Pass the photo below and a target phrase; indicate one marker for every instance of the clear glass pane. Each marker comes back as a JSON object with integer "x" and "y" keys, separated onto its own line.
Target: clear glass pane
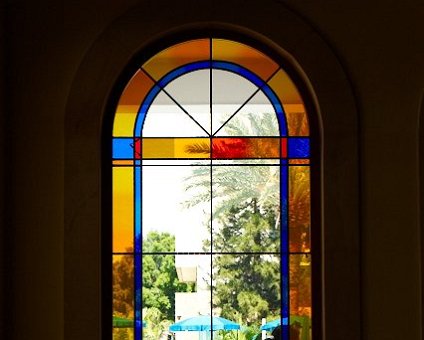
{"x": 246, "y": 289}
{"x": 246, "y": 208}
{"x": 192, "y": 92}
{"x": 166, "y": 119}
{"x": 256, "y": 118}
{"x": 229, "y": 92}
{"x": 175, "y": 162}
{"x": 176, "y": 201}
{"x": 175, "y": 288}
{"x": 246, "y": 161}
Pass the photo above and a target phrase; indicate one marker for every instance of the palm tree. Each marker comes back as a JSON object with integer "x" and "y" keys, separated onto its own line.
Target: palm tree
{"x": 234, "y": 185}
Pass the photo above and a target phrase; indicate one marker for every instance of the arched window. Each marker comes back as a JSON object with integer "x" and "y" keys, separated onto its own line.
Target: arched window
{"x": 211, "y": 196}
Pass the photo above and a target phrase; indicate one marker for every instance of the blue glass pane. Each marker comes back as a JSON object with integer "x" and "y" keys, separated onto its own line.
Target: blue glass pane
{"x": 298, "y": 147}
{"x": 221, "y": 65}
{"x": 284, "y": 210}
{"x": 278, "y": 109}
{"x": 143, "y": 110}
{"x": 183, "y": 70}
{"x": 137, "y": 209}
{"x": 285, "y": 293}
{"x": 122, "y": 148}
{"x": 138, "y": 316}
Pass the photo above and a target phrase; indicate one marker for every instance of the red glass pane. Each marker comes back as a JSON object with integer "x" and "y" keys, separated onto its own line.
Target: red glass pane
{"x": 227, "y": 148}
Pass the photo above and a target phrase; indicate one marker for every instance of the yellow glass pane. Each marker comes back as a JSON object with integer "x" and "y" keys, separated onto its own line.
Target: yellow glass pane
{"x": 297, "y": 120}
{"x": 300, "y": 297}
{"x": 176, "y": 56}
{"x": 125, "y": 116}
{"x": 129, "y": 103}
{"x": 123, "y": 333}
{"x": 157, "y": 148}
{"x": 123, "y": 209}
{"x": 243, "y": 55}
{"x": 299, "y": 208}
{"x": 123, "y": 288}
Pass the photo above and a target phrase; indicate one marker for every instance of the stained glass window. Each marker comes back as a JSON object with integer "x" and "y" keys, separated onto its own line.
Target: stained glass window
{"x": 211, "y": 197}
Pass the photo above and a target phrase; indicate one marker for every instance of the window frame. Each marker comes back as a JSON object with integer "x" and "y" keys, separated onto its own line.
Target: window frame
{"x": 289, "y": 66}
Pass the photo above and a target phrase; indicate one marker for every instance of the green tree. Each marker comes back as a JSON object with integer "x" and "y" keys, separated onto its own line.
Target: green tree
{"x": 246, "y": 284}
{"x": 155, "y": 323}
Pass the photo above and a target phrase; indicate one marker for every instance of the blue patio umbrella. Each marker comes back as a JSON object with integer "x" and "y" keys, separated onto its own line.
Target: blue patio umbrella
{"x": 203, "y": 323}
{"x": 269, "y": 326}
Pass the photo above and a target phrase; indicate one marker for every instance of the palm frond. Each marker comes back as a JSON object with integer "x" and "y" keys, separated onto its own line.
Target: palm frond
{"x": 198, "y": 148}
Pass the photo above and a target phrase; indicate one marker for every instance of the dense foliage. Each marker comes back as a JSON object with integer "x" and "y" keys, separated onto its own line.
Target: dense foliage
{"x": 246, "y": 284}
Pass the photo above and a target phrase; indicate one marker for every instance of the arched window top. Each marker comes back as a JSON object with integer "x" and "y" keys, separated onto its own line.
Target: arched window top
{"x": 225, "y": 123}
{"x": 236, "y": 71}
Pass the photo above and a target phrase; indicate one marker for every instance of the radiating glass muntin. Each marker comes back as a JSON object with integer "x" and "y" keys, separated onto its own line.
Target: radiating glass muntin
{"x": 211, "y": 170}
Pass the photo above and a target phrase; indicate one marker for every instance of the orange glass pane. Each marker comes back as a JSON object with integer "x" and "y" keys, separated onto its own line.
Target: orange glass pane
{"x": 299, "y": 208}
{"x": 297, "y": 120}
{"x": 298, "y": 161}
{"x": 300, "y": 296}
{"x": 157, "y": 148}
{"x": 123, "y": 286}
{"x": 129, "y": 103}
{"x": 123, "y": 208}
{"x": 228, "y": 148}
{"x": 122, "y": 162}
{"x": 177, "y": 55}
{"x": 243, "y": 55}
